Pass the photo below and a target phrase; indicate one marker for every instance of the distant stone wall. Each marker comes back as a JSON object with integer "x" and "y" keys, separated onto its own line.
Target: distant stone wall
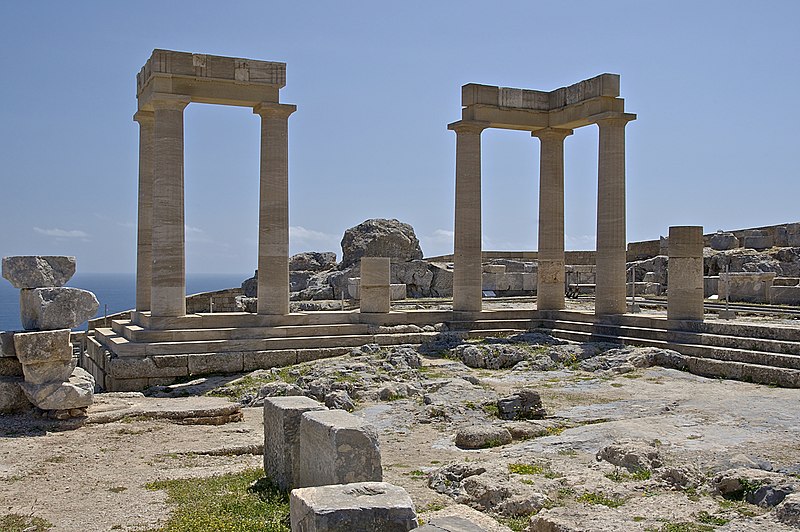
{"x": 224, "y": 301}
{"x": 584, "y": 258}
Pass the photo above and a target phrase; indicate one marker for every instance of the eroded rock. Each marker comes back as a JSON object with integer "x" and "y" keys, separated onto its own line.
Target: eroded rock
{"x": 56, "y": 308}
{"x": 34, "y": 271}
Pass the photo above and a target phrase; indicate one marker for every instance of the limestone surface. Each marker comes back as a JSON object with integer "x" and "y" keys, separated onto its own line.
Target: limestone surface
{"x": 355, "y": 507}
{"x": 12, "y": 399}
{"x": 56, "y": 308}
{"x": 380, "y": 238}
{"x": 336, "y": 448}
{"x": 34, "y": 271}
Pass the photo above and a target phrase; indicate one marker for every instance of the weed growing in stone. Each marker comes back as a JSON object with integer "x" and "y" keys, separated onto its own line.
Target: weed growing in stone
{"x": 619, "y": 475}
{"x": 594, "y": 497}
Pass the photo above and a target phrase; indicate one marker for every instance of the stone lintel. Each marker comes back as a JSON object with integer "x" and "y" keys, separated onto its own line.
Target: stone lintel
{"x": 211, "y": 67}
{"x": 605, "y": 85}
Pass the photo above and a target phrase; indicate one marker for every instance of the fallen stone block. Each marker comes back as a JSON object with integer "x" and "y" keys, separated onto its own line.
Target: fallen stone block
{"x": 336, "y": 448}
{"x": 56, "y": 308}
{"x": 749, "y": 287}
{"x": 355, "y": 507}
{"x": 41, "y": 347}
{"x": 633, "y": 456}
{"x": 757, "y": 239}
{"x": 10, "y": 367}
{"x": 450, "y": 524}
{"x": 281, "y": 423}
{"x": 788, "y": 512}
{"x": 78, "y": 392}
{"x": 38, "y": 271}
{"x": 12, "y": 398}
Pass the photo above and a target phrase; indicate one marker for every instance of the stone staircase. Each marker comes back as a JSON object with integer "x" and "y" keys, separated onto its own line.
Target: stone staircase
{"x": 766, "y": 354}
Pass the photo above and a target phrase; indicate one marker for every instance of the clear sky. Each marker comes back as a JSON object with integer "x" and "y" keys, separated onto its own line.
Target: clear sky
{"x": 714, "y": 84}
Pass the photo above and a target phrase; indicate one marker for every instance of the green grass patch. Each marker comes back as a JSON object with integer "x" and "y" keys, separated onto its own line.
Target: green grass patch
{"x": 526, "y": 469}
{"x": 685, "y": 527}
{"x": 594, "y": 497}
{"x": 224, "y": 503}
{"x": 618, "y": 475}
{"x": 517, "y": 523}
{"x": 708, "y": 519}
{"x": 491, "y": 409}
{"x": 23, "y": 523}
{"x": 243, "y": 385}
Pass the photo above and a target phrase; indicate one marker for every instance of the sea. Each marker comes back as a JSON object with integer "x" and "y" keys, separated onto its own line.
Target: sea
{"x": 115, "y": 292}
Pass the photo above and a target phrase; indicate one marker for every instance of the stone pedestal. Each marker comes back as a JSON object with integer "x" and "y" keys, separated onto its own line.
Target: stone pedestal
{"x": 273, "y": 219}
{"x": 336, "y": 448}
{"x": 374, "y": 291}
{"x": 550, "y": 291}
{"x": 467, "y": 240}
{"x": 281, "y": 444}
{"x": 611, "y": 245}
{"x": 144, "y": 235}
{"x": 685, "y": 285}
{"x": 168, "y": 296}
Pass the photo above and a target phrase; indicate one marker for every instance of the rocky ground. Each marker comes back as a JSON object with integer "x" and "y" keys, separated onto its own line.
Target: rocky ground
{"x": 523, "y": 433}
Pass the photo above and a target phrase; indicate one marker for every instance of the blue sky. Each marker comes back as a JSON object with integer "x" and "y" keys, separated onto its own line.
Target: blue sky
{"x": 714, "y": 84}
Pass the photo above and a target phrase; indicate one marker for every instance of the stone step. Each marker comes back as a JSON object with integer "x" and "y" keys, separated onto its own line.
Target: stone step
{"x": 775, "y": 360}
{"x": 736, "y": 342}
{"x": 517, "y": 324}
{"x": 606, "y": 329}
{"x": 136, "y": 333}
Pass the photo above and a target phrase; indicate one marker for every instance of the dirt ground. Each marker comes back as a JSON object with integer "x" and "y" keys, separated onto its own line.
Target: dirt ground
{"x": 93, "y": 477}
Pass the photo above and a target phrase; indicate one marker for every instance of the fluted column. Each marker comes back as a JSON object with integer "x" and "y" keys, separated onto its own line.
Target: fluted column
{"x": 144, "y": 243}
{"x": 611, "y": 243}
{"x": 273, "y": 218}
{"x": 168, "y": 296}
{"x": 467, "y": 270}
{"x": 550, "y": 283}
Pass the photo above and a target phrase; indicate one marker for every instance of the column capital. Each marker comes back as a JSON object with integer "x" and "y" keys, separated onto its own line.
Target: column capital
{"x": 612, "y": 119}
{"x": 175, "y": 102}
{"x": 468, "y": 126}
{"x": 551, "y": 133}
{"x": 274, "y": 110}
{"x": 142, "y": 116}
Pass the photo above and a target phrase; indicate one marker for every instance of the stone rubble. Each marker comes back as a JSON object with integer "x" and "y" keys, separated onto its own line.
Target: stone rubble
{"x": 26, "y": 272}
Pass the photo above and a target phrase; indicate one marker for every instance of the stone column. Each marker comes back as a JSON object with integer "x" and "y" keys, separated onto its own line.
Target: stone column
{"x": 685, "y": 273}
{"x": 374, "y": 289}
{"x": 273, "y": 218}
{"x": 550, "y": 285}
{"x": 168, "y": 296}
{"x": 611, "y": 243}
{"x": 467, "y": 271}
{"x": 144, "y": 249}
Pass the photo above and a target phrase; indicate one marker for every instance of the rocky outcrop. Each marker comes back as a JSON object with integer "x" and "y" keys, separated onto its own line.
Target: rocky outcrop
{"x": 312, "y": 261}
{"x": 379, "y": 238}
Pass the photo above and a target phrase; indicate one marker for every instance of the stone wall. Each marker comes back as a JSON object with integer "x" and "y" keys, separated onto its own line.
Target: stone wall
{"x": 224, "y": 301}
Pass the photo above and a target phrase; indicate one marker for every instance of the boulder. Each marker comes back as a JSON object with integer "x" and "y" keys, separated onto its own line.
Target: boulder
{"x": 442, "y": 282}
{"x": 633, "y": 456}
{"x": 250, "y": 286}
{"x": 490, "y": 356}
{"x": 38, "y": 271}
{"x": 379, "y": 238}
{"x": 312, "y": 261}
{"x": 340, "y": 400}
{"x": 416, "y": 275}
{"x": 482, "y": 436}
{"x": 524, "y": 404}
{"x": 78, "y": 392}
{"x": 722, "y": 241}
{"x": 56, "y": 308}
{"x": 788, "y": 512}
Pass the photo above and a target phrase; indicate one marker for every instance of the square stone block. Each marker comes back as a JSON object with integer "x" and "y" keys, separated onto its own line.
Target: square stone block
{"x": 281, "y": 446}
{"x": 12, "y": 399}
{"x": 336, "y": 448}
{"x": 43, "y": 346}
{"x": 375, "y": 298}
{"x": 7, "y": 344}
{"x": 784, "y": 295}
{"x": 357, "y": 507}
{"x": 57, "y": 371}
{"x": 10, "y": 367}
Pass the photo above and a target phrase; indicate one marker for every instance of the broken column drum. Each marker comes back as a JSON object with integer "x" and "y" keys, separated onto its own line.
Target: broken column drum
{"x": 550, "y": 116}
{"x": 167, "y": 83}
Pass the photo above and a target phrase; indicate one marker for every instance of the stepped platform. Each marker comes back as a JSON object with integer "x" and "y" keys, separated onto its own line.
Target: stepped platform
{"x": 143, "y": 351}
